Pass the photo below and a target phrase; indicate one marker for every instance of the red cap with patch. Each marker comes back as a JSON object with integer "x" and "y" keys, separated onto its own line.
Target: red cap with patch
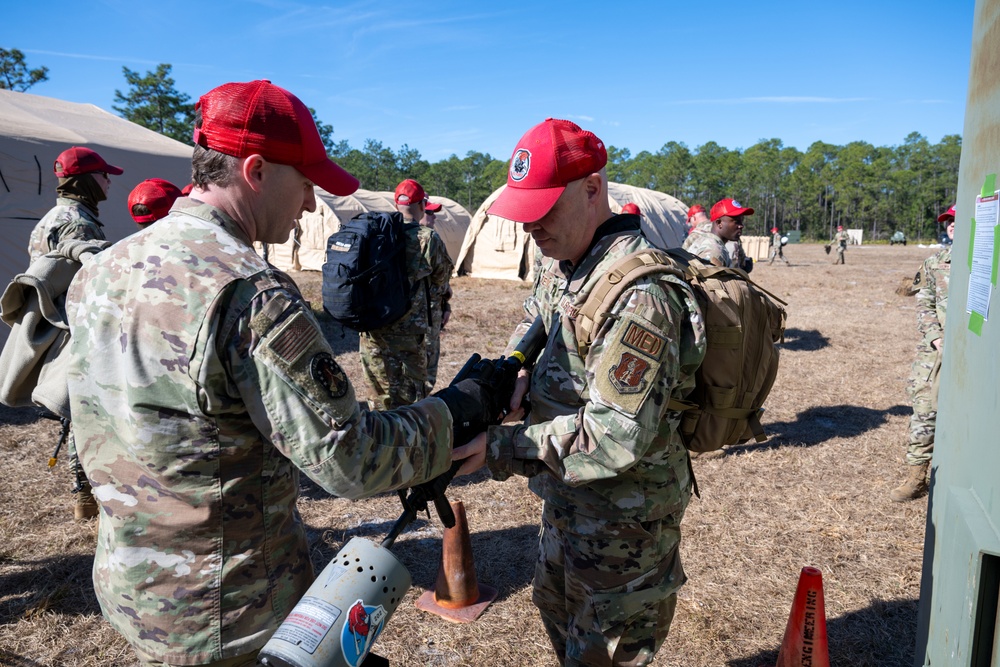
{"x": 431, "y": 207}
{"x": 155, "y": 194}
{"x": 78, "y": 160}
{"x": 241, "y": 119}
{"x": 631, "y": 209}
{"x": 729, "y": 207}
{"x": 694, "y": 210}
{"x": 409, "y": 192}
{"x": 550, "y": 156}
{"x": 948, "y": 215}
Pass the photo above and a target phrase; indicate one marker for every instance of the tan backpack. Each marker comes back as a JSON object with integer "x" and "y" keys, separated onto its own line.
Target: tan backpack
{"x": 743, "y": 326}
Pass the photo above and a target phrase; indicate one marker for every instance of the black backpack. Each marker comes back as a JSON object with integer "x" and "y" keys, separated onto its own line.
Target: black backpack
{"x": 365, "y": 283}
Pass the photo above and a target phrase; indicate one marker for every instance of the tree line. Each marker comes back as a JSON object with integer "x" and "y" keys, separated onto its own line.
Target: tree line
{"x": 880, "y": 189}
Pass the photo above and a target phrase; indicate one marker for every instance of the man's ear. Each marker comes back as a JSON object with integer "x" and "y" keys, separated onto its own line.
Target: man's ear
{"x": 253, "y": 169}
{"x": 592, "y": 185}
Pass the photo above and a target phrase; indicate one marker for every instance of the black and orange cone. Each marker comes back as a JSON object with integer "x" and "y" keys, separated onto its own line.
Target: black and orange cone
{"x": 457, "y": 596}
{"x": 805, "y": 642}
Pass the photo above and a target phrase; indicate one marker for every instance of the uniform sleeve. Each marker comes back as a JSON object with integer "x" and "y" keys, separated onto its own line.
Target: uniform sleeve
{"x": 297, "y": 395}
{"x": 531, "y": 311}
{"x": 441, "y": 269}
{"x": 927, "y": 317}
{"x": 82, "y": 230}
{"x": 632, "y": 369}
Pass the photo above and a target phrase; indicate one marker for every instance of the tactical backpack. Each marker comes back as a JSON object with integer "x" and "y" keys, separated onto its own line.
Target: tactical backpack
{"x": 743, "y": 325}
{"x": 365, "y": 283}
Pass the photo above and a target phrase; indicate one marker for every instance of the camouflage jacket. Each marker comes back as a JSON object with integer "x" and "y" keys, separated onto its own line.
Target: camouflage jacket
{"x": 199, "y": 381}
{"x": 599, "y": 431}
{"x": 775, "y": 240}
{"x": 841, "y": 238}
{"x": 709, "y": 246}
{"x": 932, "y": 299}
{"x": 69, "y": 219}
{"x": 429, "y": 267}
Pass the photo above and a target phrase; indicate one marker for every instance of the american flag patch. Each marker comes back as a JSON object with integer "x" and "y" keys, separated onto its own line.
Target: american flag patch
{"x": 294, "y": 339}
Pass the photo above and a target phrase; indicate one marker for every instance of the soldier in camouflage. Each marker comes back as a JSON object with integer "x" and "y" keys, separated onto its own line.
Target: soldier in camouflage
{"x": 84, "y": 179}
{"x": 932, "y": 305}
{"x": 599, "y": 445}
{"x": 777, "y": 248}
{"x": 440, "y": 307}
{"x": 698, "y": 219}
{"x": 200, "y": 384}
{"x": 840, "y": 241}
{"x": 83, "y": 182}
{"x": 400, "y": 360}
{"x": 725, "y": 224}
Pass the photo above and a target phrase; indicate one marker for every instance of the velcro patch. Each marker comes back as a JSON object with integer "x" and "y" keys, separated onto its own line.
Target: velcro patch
{"x": 627, "y": 375}
{"x": 294, "y": 339}
{"x": 641, "y": 339}
{"x": 328, "y": 373}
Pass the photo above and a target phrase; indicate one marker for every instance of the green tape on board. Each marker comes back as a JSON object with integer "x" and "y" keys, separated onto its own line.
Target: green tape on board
{"x": 972, "y": 240}
{"x": 976, "y": 323}
{"x": 996, "y": 245}
{"x": 989, "y": 185}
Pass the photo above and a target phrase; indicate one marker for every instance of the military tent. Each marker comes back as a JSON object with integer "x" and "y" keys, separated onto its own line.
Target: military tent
{"x": 34, "y": 130}
{"x": 306, "y": 249}
{"x": 495, "y": 247}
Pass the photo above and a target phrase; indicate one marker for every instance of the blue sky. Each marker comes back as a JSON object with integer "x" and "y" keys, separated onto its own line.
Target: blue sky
{"x": 450, "y": 77}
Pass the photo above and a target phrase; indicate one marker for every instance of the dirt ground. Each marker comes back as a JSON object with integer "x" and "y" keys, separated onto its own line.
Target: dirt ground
{"x": 815, "y": 494}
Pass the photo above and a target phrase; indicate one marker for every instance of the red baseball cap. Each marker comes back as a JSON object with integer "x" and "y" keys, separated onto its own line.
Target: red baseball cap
{"x": 431, "y": 207}
{"x": 157, "y": 195}
{"x": 241, "y": 119}
{"x": 729, "y": 207}
{"x": 631, "y": 208}
{"x": 409, "y": 192}
{"x": 774, "y": 230}
{"x": 550, "y": 156}
{"x": 697, "y": 208}
{"x": 947, "y": 215}
{"x": 79, "y": 160}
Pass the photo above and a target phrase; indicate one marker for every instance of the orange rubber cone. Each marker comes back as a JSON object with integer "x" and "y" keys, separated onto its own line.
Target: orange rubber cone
{"x": 805, "y": 642}
{"x": 457, "y": 596}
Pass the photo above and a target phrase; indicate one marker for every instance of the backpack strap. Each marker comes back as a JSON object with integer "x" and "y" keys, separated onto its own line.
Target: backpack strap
{"x": 620, "y": 276}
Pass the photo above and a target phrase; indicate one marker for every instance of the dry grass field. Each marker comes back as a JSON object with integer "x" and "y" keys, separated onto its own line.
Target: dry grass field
{"x": 815, "y": 494}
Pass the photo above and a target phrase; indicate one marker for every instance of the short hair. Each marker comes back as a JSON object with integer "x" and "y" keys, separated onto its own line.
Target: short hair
{"x": 210, "y": 166}
{"x": 140, "y": 209}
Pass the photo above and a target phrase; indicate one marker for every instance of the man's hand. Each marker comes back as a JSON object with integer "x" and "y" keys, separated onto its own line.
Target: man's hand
{"x": 445, "y": 316}
{"x": 473, "y": 453}
{"x": 521, "y": 385}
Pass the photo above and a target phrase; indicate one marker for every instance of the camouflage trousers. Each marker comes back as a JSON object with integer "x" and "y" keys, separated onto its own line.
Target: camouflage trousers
{"x": 433, "y": 355}
{"x": 395, "y": 367}
{"x": 248, "y": 660}
{"x": 841, "y": 251}
{"x": 922, "y": 390}
{"x": 606, "y": 589}
{"x": 778, "y": 253}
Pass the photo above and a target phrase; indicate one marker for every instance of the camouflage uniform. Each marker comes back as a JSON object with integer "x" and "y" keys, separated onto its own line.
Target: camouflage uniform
{"x": 397, "y": 359}
{"x": 708, "y": 246}
{"x": 69, "y": 219}
{"x": 604, "y": 455}
{"x": 932, "y": 302}
{"x": 777, "y": 252}
{"x": 199, "y": 382}
{"x": 841, "y": 239}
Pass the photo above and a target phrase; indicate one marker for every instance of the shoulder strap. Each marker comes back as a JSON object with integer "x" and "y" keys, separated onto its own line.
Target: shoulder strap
{"x": 619, "y": 277}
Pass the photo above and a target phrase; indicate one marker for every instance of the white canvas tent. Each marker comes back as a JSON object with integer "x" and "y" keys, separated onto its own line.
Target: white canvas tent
{"x": 495, "y": 247}
{"x": 34, "y": 130}
{"x": 306, "y": 249}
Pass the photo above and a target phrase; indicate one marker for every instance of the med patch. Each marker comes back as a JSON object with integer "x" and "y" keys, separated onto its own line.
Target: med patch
{"x": 629, "y": 364}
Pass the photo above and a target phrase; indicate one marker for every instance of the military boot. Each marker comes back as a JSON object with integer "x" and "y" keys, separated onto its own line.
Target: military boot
{"x": 84, "y": 504}
{"x": 914, "y": 486}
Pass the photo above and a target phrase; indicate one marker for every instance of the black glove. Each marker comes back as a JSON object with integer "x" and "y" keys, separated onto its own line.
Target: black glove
{"x": 748, "y": 264}
{"x": 473, "y": 405}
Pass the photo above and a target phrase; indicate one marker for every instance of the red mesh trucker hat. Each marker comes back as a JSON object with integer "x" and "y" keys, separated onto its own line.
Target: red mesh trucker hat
{"x": 631, "y": 208}
{"x": 241, "y": 119}
{"x": 157, "y": 195}
{"x": 409, "y": 192}
{"x": 947, "y": 215}
{"x": 431, "y": 207}
{"x": 729, "y": 207}
{"x": 694, "y": 210}
{"x": 79, "y": 160}
{"x": 550, "y": 156}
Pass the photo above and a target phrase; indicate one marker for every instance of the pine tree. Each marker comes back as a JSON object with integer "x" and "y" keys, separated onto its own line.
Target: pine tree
{"x": 14, "y": 72}
{"x": 153, "y": 102}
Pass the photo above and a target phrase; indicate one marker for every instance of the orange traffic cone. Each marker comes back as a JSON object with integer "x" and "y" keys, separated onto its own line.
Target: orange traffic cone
{"x": 805, "y": 642}
{"x": 457, "y": 595}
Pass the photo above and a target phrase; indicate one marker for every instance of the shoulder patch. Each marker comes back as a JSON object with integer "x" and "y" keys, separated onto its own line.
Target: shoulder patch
{"x": 628, "y": 367}
{"x": 641, "y": 339}
{"x": 627, "y": 376}
{"x": 294, "y": 338}
{"x": 329, "y": 375}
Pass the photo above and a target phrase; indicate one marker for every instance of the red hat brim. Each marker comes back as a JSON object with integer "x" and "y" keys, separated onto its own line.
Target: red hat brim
{"x": 331, "y": 177}
{"x": 945, "y": 216}
{"x": 524, "y": 204}
{"x": 432, "y": 207}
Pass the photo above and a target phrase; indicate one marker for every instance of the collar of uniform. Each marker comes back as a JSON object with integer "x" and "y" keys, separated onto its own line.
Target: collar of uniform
{"x": 623, "y": 223}
{"x": 200, "y": 209}
{"x": 84, "y": 208}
